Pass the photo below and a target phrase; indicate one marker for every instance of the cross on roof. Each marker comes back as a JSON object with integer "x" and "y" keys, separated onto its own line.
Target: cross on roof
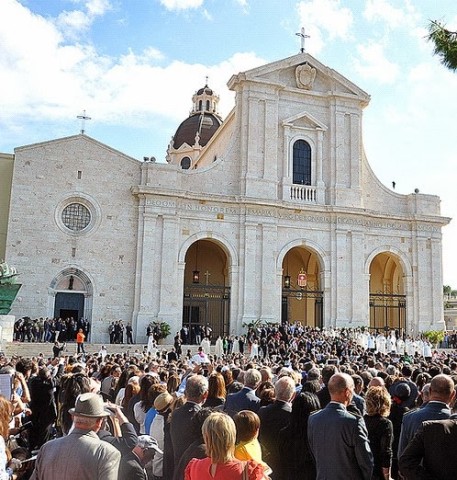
{"x": 83, "y": 119}
{"x": 302, "y": 36}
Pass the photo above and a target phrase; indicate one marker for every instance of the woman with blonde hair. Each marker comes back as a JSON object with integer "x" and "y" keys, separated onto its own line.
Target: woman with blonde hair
{"x": 380, "y": 431}
{"x": 7, "y": 464}
{"x": 219, "y": 434}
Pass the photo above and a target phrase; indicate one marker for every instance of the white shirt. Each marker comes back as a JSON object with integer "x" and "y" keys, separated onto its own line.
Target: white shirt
{"x": 156, "y": 431}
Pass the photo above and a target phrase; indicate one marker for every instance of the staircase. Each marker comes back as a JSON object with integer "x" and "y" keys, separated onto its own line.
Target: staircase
{"x": 35, "y": 349}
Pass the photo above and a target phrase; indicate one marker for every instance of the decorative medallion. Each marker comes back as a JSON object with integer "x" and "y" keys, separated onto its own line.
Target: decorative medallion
{"x": 305, "y": 75}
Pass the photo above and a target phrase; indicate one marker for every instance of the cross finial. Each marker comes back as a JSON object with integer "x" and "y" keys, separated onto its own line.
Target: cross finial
{"x": 83, "y": 119}
{"x": 302, "y": 39}
{"x": 206, "y": 80}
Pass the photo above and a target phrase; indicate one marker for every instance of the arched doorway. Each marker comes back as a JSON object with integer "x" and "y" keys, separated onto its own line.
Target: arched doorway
{"x": 387, "y": 293}
{"x": 72, "y": 295}
{"x": 206, "y": 291}
{"x": 302, "y": 295}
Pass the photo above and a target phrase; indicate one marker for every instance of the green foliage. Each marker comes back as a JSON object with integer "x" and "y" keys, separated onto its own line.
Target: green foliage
{"x": 447, "y": 289}
{"x": 445, "y": 44}
{"x": 434, "y": 336}
{"x": 163, "y": 329}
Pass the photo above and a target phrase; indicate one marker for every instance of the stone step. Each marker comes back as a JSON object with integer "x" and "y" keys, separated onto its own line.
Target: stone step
{"x": 34, "y": 349}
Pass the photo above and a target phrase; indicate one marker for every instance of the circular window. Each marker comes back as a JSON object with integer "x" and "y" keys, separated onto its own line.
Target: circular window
{"x": 76, "y": 217}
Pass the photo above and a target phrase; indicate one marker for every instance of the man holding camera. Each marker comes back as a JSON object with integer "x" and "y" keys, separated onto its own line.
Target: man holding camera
{"x": 80, "y": 455}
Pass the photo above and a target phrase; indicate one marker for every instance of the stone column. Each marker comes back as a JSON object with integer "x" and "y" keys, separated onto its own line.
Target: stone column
{"x": 6, "y": 328}
{"x": 268, "y": 290}
{"x": 343, "y": 290}
{"x": 251, "y": 283}
{"x": 143, "y": 310}
{"x": 171, "y": 290}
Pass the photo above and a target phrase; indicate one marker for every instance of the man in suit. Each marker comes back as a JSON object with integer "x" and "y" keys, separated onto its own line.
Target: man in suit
{"x": 428, "y": 454}
{"x": 274, "y": 417}
{"x": 80, "y": 455}
{"x": 245, "y": 399}
{"x": 181, "y": 431}
{"x": 133, "y": 462}
{"x": 323, "y": 394}
{"x": 442, "y": 394}
{"x": 338, "y": 439}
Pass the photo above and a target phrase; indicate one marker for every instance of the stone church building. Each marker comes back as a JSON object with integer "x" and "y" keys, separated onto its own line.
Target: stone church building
{"x": 272, "y": 214}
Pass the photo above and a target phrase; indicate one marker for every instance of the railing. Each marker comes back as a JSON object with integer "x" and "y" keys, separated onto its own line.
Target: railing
{"x": 303, "y": 193}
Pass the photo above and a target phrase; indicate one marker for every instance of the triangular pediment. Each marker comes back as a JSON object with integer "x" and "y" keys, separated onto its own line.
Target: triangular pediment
{"x": 304, "y": 120}
{"x": 302, "y": 73}
{"x": 79, "y": 139}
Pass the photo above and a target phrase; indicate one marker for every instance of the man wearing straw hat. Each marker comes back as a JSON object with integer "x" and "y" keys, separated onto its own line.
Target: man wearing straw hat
{"x": 80, "y": 455}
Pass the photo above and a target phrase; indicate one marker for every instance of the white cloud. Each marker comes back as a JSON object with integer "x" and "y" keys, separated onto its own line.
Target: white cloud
{"x": 207, "y": 15}
{"x": 181, "y": 4}
{"x": 373, "y": 64}
{"x": 71, "y": 23}
{"x": 244, "y": 5}
{"x": 324, "y": 19}
{"x": 382, "y": 10}
{"x": 53, "y": 80}
{"x": 97, "y": 8}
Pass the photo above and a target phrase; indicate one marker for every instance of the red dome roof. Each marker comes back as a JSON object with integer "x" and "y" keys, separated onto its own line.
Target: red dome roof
{"x": 205, "y": 124}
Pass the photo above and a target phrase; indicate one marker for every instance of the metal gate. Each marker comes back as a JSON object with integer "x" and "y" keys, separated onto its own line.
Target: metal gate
{"x": 305, "y": 297}
{"x": 207, "y": 304}
{"x": 387, "y": 311}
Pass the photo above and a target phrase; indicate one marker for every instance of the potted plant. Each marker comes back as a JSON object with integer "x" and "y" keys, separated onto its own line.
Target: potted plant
{"x": 435, "y": 337}
{"x": 160, "y": 330}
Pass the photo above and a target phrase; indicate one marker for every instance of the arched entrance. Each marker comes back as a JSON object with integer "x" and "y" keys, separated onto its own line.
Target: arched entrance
{"x": 206, "y": 291}
{"x": 72, "y": 295}
{"x": 302, "y": 295}
{"x": 387, "y": 293}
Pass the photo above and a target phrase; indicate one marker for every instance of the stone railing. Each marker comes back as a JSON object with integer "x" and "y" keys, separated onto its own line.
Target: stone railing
{"x": 302, "y": 194}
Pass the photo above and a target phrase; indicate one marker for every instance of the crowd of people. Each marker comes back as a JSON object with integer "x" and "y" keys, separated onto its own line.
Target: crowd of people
{"x": 292, "y": 403}
{"x": 46, "y": 329}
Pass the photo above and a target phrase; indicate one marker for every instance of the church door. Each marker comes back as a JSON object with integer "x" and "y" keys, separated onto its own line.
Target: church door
{"x": 304, "y": 306}
{"x": 68, "y": 305}
{"x": 206, "y": 305}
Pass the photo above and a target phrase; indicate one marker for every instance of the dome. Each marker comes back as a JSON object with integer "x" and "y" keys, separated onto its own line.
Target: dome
{"x": 205, "y": 90}
{"x": 205, "y": 124}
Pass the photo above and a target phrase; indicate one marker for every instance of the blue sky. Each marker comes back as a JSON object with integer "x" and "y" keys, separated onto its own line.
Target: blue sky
{"x": 133, "y": 65}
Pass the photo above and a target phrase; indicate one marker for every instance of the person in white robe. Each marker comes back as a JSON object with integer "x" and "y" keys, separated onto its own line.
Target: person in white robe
{"x": 235, "y": 346}
{"x": 381, "y": 343}
{"x": 152, "y": 346}
{"x": 219, "y": 347}
{"x": 400, "y": 346}
{"x": 371, "y": 342}
{"x": 254, "y": 349}
{"x": 206, "y": 344}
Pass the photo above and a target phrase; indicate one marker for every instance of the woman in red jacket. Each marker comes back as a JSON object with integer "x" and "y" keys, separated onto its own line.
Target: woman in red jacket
{"x": 219, "y": 434}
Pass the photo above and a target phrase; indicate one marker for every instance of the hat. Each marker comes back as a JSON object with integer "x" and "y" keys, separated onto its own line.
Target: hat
{"x": 403, "y": 392}
{"x": 89, "y": 405}
{"x": 146, "y": 442}
{"x": 163, "y": 401}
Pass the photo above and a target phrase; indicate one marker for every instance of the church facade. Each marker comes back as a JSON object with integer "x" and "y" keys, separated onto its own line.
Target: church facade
{"x": 271, "y": 215}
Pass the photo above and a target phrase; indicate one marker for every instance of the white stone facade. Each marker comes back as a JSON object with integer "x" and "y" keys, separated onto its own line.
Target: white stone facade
{"x": 239, "y": 195}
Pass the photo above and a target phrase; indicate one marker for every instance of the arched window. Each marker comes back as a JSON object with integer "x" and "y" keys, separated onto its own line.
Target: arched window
{"x": 200, "y": 104}
{"x": 185, "y": 163}
{"x": 207, "y": 105}
{"x": 301, "y": 163}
